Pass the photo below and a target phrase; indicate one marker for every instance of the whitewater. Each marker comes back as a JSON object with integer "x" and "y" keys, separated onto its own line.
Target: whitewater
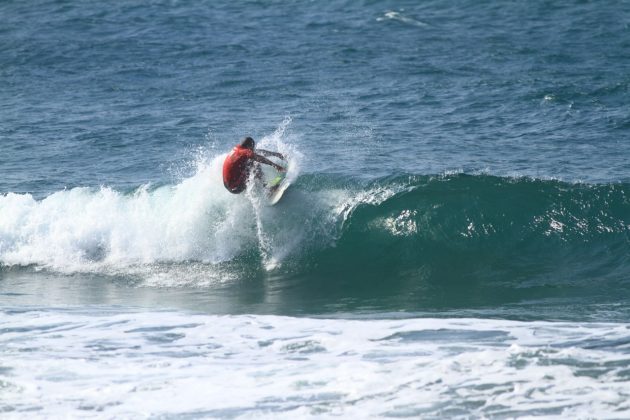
{"x": 87, "y": 229}
{"x": 133, "y": 365}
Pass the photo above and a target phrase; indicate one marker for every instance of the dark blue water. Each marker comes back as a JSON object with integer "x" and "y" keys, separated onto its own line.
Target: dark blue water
{"x": 451, "y": 158}
{"x": 95, "y": 93}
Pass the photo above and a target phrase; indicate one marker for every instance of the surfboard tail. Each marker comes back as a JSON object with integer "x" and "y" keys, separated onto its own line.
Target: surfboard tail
{"x": 277, "y": 192}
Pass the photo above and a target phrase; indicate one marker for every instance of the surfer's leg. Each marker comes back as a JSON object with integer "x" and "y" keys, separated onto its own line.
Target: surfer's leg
{"x": 256, "y": 170}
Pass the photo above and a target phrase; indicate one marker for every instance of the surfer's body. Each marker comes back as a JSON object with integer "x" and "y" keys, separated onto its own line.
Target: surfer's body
{"x": 241, "y": 161}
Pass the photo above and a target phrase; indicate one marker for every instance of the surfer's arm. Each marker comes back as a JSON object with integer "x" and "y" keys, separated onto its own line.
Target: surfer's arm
{"x": 262, "y": 159}
{"x": 268, "y": 153}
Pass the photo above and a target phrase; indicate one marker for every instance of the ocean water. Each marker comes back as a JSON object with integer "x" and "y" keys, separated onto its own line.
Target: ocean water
{"x": 455, "y": 242}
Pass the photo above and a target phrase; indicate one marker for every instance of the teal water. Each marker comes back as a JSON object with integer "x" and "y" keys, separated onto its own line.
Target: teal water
{"x": 460, "y": 200}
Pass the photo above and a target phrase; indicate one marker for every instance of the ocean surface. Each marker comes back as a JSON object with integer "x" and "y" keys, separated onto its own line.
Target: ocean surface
{"x": 455, "y": 242}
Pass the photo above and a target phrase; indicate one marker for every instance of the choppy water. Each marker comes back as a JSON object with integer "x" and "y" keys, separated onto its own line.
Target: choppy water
{"x": 456, "y": 241}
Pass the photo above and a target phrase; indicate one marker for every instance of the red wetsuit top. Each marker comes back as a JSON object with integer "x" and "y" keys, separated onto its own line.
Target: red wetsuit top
{"x": 236, "y": 169}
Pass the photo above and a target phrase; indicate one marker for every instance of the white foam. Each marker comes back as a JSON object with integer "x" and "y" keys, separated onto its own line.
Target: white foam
{"x": 164, "y": 363}
{"x": 86, "y": 229}
{"x": 83, "y": 228}
{"x": 398, "y": 16}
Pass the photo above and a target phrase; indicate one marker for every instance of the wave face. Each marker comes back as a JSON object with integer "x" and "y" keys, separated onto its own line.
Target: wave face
{"x": 436, "y": 240}
{"x": 483, "y": 239}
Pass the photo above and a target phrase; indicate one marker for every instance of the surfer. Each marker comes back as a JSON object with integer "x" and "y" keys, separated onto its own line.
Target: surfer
{"x": 242, "y": 160}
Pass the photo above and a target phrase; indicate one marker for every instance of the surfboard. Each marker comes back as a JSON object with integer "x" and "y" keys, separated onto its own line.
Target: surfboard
{"x": 277, "y": 182}
{"x": 277, "y": 188}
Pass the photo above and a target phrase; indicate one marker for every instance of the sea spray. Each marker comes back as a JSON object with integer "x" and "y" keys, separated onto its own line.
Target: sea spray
{"x": 101, "y": 229}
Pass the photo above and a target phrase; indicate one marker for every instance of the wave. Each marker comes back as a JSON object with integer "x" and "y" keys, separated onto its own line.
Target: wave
{"x": 451, "y": 237}
{"x": 102, "y": 229}
{"x": 480, "y": 238}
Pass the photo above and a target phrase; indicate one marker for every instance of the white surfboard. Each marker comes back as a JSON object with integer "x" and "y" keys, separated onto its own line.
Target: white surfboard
{"x": 278, "y": 189}
{"x": 277, "y": 194}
